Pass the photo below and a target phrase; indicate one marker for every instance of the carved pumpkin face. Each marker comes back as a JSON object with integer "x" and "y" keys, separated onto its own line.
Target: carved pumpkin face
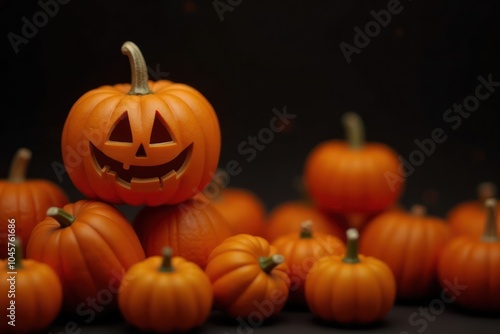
{"x": 150, "y": 148}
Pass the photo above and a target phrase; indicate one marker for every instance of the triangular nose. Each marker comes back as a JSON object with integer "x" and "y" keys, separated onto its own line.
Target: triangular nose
{"x": 141, "y": 152}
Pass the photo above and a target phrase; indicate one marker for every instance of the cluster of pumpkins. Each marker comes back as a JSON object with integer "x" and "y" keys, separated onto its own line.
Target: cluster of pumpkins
{"x": 347, "y": 254}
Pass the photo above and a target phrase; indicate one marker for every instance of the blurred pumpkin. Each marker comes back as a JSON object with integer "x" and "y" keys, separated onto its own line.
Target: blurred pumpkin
{"x": 301, "y": 250}
{"x": 286, "y": 218}
{"x": 148, "y": 143}
{"x": 32, "y": 297}
{"x": 353, "y": 176}
{"x": 352, "y": 288}
{"x": 243, "y": 210}
{"x": 410, "y": 243}
{"x": 192, "y": 229}
{"x": 248, "y": 277}
{"x": 23, "y": 202}
{"x": 469, "y": 217}
{"x": 166, "y": 294}
{"x": 469, "y": 267}
{"x": 90, "y": 245}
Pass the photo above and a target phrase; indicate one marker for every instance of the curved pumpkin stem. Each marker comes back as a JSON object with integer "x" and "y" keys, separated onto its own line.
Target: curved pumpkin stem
{"x": 270, "y": 262}
{"x": 166, "y": 264}
{"x": 64, "y": 218}
{"x": 351, "y": 255}
{"x": 354, "y": 128}
{"x": 490, "y": 232}
{"x": 306, "y": 229}
{"x": 486, "y": 190}
{"x": 139, "y": 85}
{"x": 418, "y": 210}
{"x": 19, "y": 165}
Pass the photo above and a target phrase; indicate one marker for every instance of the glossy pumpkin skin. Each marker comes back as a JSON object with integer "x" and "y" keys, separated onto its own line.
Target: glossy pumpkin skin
{"x": 166, "y": 301}
{"x": 38, "y": 296}
{"x": 472, "y": 265}
{"x": 241, "y": 287}
{"x": 242, "y": 209}
{"x": 410, "y": 244}
{"x": 468, "y": 218}
{"x": 162, "y": 145}
{"x": 286, "y": 218}
{"x": 350, "y": 293}
{"x": 349, "y": 178}
{"x": 192, "y": 229}
{"x": 91, "y": 255}
{"x": 302, "y": 250}
{"x": 25, "y": 201}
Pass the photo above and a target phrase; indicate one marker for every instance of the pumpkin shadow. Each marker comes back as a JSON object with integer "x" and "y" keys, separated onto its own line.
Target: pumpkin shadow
{"x": 219, "y": 318}
{"x": 359, "y": 327}
{"x": 465, "y": 312}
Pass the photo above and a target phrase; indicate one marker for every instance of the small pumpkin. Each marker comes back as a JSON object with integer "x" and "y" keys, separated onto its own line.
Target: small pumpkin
{"x": 286, "y": 217}
{"x": 192, "y": 229}
{"x": 353, "y": 176}
{"x": 351, "y": 288}
{"x": 23, "y": 202}
{"x": 301, "y": 250}
{"x": 31, "y": 293}
{"x": 165, "y": 294}
{"x": 469, "y": 267}
{"x": 90, "y": 245}
{"x": 147, "y": 142}
{"x": 410, "y": 243}
{"x": 242, "y": 209}
{"x": 249, "y": 277}
{"x": 469, "y": 217}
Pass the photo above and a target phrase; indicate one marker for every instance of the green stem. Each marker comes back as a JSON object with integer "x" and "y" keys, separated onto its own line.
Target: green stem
{"x": 355, "y": 132}
{"x": 351, "y": 255}
{"x": 306, "y": 229}
{"x": 490, "y": 232}
{"x": 64, "y": 218}
{"x": 18, "y": 256}
{"x": 270, "y": 262}
{"x": 19, "y": 165}
{"x": 486, "y": 190}
{"x": 139, "y": 85}
{"x": 166, "y": 264}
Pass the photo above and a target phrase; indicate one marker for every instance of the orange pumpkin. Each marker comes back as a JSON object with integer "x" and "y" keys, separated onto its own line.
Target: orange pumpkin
{"x": 469, "y": 267}
{"x": 192, "y": 229}
{"x": 90, "y": 245}
{"x": 165, "y": 294}
{"x": 286, "y": 218}
{"x": 469, "y": 217}
{"x": 146, "y": 143}
{"x": 242, "y": 209}
{"x": 352, "y": 288}
{"x": 23, "y": 202}
{"x": 249, "y": 278}
{"x": 353, "y": 176}
{"x": 301, "y": 251}
{"x": 410, "y": 243}
{"x": 31, "y": 293}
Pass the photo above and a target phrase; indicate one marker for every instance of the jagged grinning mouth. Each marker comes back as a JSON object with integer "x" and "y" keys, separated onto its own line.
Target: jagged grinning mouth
{"x": 111, "y": 166}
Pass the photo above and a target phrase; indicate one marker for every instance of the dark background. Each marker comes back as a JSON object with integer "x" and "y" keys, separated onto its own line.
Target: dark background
{"x": 265, "y": 55}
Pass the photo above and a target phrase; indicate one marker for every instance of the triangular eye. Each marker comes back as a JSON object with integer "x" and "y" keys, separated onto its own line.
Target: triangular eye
{"x": 159, "y": 133}
{"x": 122, "y": 132}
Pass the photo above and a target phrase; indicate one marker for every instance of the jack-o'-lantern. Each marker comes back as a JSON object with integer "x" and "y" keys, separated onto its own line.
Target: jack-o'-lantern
{"x": 144, "y": 143}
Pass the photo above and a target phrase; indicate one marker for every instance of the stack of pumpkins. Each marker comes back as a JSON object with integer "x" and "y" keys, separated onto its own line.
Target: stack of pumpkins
{"x": 157, "y": 145}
